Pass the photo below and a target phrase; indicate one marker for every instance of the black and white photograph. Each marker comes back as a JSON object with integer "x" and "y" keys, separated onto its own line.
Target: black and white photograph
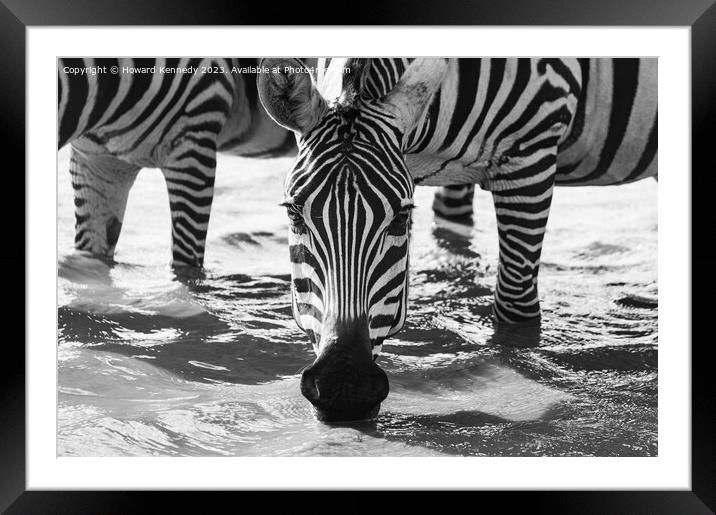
{"x": 357, "y": 256}
{"x": 397, "y": 248}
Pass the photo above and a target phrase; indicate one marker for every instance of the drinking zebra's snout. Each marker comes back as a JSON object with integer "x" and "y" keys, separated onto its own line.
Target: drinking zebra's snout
{"x": 344, "y": 383}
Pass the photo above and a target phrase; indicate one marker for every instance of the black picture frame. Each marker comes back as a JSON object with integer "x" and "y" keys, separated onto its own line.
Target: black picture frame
{"x": 17, "y": 15}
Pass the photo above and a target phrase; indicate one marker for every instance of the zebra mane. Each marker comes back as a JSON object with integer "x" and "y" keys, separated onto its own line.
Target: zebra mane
{"x": 354, "y": 79}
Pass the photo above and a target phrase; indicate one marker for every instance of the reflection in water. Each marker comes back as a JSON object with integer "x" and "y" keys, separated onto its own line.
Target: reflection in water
{"x": 523, "y": 335}
{"x": 157, "y": 361}
{"x": 454, "y": 238}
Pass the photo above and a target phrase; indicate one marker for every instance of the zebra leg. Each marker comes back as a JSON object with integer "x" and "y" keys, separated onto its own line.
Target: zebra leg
{"x": 101, "y": 185}
{"x": 522, "y": 215}
{"x": 454, "y": 202}
{"x": 190, "y": 183}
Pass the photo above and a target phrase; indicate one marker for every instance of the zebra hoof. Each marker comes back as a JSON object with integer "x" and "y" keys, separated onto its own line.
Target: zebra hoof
{"x": 184, "y": 272}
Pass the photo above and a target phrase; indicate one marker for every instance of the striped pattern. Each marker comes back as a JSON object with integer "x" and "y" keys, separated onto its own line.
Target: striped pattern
{"x": 150, "y": 113}
{"x": 455, "y": 202}
{"x": 515, "y": 127}
{"x": 612, "y": 140}
{"x": 505, "y": 119}
{"x": 533, "y": 124}
{"x": 614, "y": 137}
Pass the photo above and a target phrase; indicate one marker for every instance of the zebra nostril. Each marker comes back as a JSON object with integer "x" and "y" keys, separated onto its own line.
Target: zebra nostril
{"x": 381, "y": 386}
{"x": 309, "y": 388}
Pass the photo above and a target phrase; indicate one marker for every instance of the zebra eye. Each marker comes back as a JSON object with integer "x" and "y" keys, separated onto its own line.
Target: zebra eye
{"x": 295, "y": 218}
{"x": 400, "y": 224}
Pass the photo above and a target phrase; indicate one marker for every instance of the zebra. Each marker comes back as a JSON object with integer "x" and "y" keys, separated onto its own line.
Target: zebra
{"x": 121, "y": 115}
{"x": 370, "y": 130}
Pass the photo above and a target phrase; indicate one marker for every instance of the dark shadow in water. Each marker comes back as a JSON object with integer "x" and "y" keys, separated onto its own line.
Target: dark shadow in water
{"x": 234, "y": 287}
{"x": 431, "y": 340}
{"x": 87, "y": 327}
{"x": 389, "y": 423}
{"x": 422, "y": 430}
{"x": 635, "y": 358}
{"x": 236, "y": 359}
{"x": 516, "y": 335}
{"x": 453, "y": 431}
{"x": 75, "y": 324}
{"x": 476, "y": 433}
{"x": 453, "y": 242}
{"x": 195, "y": 360}
{"x": 638, "y": 301}
{"x": 199, "y": 348}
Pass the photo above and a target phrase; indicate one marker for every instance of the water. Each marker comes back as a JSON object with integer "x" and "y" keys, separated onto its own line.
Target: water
{"x": 152, "y": 365}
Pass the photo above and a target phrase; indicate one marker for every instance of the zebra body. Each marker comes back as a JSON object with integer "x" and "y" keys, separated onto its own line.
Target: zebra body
{"x": 610, "y": 105}
{"x": 172, "y": 114}
{"x": 515, "y": 127}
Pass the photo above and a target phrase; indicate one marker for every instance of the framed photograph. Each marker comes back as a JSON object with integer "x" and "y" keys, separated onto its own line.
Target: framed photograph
{"x": 325, "y": 276}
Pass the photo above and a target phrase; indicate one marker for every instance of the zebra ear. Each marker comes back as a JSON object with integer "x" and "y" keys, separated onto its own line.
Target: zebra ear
{"x": 288, "y": 94}
{"x": 413, "y": 92}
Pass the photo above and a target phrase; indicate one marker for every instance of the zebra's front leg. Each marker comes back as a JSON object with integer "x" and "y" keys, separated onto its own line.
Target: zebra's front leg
{"x": 101, "y": 186}
{"x": 454, "y": 202}
{"x": 190, "y": 183}
{"x": 522, "y": 209}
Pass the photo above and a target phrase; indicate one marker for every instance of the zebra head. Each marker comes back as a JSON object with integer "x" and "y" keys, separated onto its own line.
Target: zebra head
{"x": 348, "y": 197}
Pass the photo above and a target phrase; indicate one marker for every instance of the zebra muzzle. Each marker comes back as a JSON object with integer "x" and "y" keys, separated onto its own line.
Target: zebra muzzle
{"x": 342, "y": 389}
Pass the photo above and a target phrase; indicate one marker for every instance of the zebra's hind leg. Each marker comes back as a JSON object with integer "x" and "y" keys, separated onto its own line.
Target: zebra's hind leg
{"x": 190, "y": 183}
{"x": 454, "y": 202}
{"x": 522, "y": 212}
{"x": 101, "y": 186}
